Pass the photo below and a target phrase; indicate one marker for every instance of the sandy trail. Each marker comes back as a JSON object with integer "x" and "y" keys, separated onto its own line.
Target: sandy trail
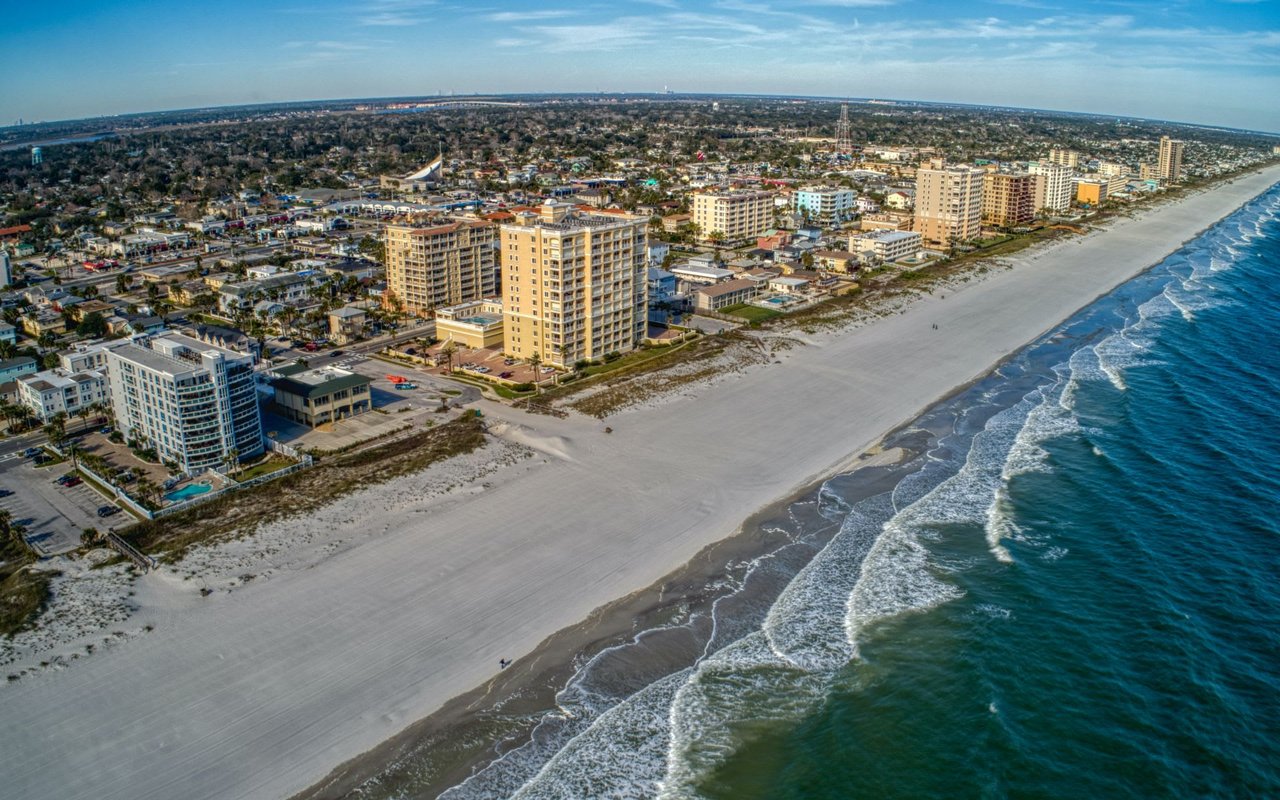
{"x": 259, "y": 692}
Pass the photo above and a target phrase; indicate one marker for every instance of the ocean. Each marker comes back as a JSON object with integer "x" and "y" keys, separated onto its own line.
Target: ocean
{"x": 1068, "y": 589}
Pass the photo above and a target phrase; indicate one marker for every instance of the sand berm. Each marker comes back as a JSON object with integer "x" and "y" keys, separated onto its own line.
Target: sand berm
{"x": 259, "y": 692}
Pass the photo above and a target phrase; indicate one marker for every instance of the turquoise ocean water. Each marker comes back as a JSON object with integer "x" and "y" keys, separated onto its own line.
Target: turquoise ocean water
{"x": 1075, "y": 592}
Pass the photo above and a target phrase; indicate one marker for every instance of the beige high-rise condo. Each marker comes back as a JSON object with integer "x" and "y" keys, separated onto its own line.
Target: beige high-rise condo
{"x": 1170, "y": 165}
{"x": 734, "y": 216}
{"x": 949, "y": 203}
{"x": 573, "y": 284}
{"x": 442, "y": 265}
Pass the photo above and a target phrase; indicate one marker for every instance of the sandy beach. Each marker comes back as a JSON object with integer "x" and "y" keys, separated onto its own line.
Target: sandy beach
{"x": 408, "y": 594}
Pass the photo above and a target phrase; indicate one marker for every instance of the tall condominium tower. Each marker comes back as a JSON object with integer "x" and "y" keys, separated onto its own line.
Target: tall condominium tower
{"x": 442, "y": 265}
{"x": 574, "y": 284}
{"x": 1170, "y": 164}
{"x": 1055, "y": 185}
{"x": 948, "y": 203}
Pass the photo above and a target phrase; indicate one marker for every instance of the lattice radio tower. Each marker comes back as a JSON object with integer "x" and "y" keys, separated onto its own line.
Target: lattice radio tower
{"x": 844, "y": 138}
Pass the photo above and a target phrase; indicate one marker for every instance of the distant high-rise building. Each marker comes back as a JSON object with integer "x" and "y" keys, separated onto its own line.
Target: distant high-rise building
{"x": 1065, "y": 157}
{"x": 442, "y": 265}
{"x": 1054, "y": 185}
{"x": 37, "y": 156}
{"x": 1170, "y": 164}
{"x": 574, "y": 284}
{"x": 949, "y": 203}
{"x": 1007, "y": 199}
{"x": 738, "y": 215}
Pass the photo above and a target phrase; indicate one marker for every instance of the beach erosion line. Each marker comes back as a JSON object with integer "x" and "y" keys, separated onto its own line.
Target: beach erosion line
{"x": 262, "y": 691}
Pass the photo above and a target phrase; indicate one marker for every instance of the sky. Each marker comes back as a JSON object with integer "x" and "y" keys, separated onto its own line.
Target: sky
{"x": 1212, "y": 62}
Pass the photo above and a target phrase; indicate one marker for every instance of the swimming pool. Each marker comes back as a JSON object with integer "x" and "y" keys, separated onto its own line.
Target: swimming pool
{"x": 187, "y": 492}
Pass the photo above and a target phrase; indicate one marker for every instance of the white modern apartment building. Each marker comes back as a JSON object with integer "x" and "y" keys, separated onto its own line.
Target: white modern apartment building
{"x": 733, "y": 217}
{"x": 887, "y": 246}
{"x": 1170, "y": 164}
{"x": 574, "y": 285}
{"x": 58, "y": 390}
{"x": 1055, "y": 185}
{"x": 193, "y": 402}
{"x": 828, "y": 205}
{"x": 6, "y": 269}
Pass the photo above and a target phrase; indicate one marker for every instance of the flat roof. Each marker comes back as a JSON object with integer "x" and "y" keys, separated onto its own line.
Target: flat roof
{"x": 319, "y": 381}
{"x": 729, "y": 287}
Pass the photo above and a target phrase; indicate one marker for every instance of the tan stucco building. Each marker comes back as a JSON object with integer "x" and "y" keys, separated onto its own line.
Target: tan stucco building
{"x": 429, "y": 268}
{"x": 573, "y": 283}
{"x": 949, "y": 203}
{"x": 740, "y": 215}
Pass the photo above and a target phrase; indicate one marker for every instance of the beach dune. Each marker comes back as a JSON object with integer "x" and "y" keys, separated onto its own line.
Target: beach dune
{"x": 260, "y": 692}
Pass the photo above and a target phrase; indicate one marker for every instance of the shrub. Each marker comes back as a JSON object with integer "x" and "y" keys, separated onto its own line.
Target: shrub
{"x": 614, "y": 356}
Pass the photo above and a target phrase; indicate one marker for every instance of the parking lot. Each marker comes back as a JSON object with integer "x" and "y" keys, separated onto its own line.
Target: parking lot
{"x": 53, "y": 515}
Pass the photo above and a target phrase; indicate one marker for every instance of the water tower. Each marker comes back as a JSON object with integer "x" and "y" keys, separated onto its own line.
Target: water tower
{"x": 37, "y": 156}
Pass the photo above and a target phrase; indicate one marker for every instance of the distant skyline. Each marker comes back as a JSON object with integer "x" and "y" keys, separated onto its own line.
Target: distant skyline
{"x": 1214, "y": 62}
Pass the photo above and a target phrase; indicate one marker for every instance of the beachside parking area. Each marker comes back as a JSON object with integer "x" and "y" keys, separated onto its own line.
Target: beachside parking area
{"x": 53, "y": 515}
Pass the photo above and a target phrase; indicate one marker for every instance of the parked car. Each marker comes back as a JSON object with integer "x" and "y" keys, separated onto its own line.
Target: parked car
{"x": 107, "y": 431}
{"x": 63, "y": 480}
{"x": 73, "y": 482}
{"x": 106, "y": 511}
{"x": 310, "y": 347}
{"x": 506, "y": 374}
{"x": 31, "y": 452}
{"x": 508, "y": 361}
{"x": 404, "y": 387}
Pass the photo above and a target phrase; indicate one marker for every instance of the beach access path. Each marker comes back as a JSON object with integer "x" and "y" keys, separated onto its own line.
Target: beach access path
{"x": 260, "y": 692}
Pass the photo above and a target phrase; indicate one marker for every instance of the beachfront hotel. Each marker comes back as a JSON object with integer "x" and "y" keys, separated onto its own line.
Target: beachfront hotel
{"x": 1169, "y": 166}
{"x": 195, "y": 403}
{"x": 738, "y": 215}
{"x": 948, "y": 203}
{"x": 429, "y": 268}
{"x": 574, "y": 284}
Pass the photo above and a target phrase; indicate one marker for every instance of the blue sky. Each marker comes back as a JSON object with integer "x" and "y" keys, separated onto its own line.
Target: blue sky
{"x": 1205, "y": 61}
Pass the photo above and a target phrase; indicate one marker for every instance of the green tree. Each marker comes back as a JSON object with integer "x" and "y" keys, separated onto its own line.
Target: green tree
{"x": 93, "y": 326}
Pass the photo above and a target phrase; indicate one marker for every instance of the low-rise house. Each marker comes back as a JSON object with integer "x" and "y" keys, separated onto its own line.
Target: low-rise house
{"x": 788, "y": 285}
{"x": 835, "y": 260}
{"x": 44, "y": 321}
{"x": 722, "y": 295}
{"x": 346, "y": 324}
{"x": 13, "y": 368}
{"x": 8, "y": 333}
{"x": 319, "y": 396}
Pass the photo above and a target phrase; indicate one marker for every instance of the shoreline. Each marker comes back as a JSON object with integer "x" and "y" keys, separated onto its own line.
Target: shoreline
{"x": 223, "y": 702}
{"x": 533, "y": 684}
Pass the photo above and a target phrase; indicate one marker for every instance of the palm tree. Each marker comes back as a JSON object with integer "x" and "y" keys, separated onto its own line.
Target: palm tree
{"x": 232, "y": 460}
{"x": 563, "y": 347}
{"x": 449, "y": 350}
{"x": 56, "y": 428}
{"x": 535, "y": 361}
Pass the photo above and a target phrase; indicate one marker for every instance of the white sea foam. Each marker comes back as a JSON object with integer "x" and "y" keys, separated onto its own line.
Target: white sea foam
{"x": 622, "y": 754}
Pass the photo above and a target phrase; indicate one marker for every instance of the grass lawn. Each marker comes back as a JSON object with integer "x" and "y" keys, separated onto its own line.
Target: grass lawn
{"x": 270, "y": 464}
{"x": 750, "y": 313}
